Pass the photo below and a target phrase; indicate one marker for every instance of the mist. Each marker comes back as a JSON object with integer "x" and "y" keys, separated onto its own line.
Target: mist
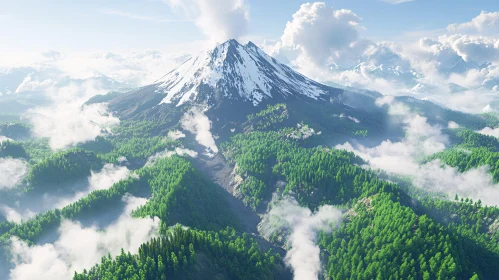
{"x": 80, "y": 247}
{"x": 12, "y": 172}
{"x": 175, "y": 134}
{"x": 196, "y": 122}
{"x": 3, "y": 138}
{"x": 166, "y": 153}
{"x": 16, "y": 216}
{"x": 104, "y": 179}
{"x": 28, "y": 207}
{"x": 69, "y": 124}
{"x": 490, "y": 131}
{"x": 422, "y": 140}
{"x": 302, "y": 225}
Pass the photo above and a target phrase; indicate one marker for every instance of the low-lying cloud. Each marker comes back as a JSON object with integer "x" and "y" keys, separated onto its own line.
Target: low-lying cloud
{"x": 490, "y": 131}
{"x": 166, "y": 153}
{"x": 12, "y": 172}
{"x": 69, "y": 124}
{"x": 3, "y": 138}
{"x": 196, "y": 122}
{"x": 422, "y": 140}
{"x": 303, "y": 255}
{"x": 81, "y": 247}
{"x": 12, "y": 215}
{"x": 175, "y": 134}
{"x": 104, "y": 179}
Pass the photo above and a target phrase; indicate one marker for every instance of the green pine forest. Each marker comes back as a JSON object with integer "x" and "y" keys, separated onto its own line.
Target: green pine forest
{"x": 389, "y": 229}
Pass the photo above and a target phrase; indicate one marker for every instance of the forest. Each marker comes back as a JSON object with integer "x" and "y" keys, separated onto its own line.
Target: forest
{"x": 388, "y": 230}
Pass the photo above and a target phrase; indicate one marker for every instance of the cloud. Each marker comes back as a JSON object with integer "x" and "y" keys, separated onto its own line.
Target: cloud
{"x": 485, "y": 24}
{"x": 452, "y": 70}
{"x": 422, "y": 139}
{"x": 452, "y": 124}
{"x": 304, "y": 254}
{"x": 220, "y": 20}
{"x": 475, "y": 183}
{"x": 321, "y": 32}
{"x": 68, "y": 124}
{"x": 176, "y": 134}
{"x": 60, "y": 259}
{"x": 12, "y": 215}
{"x": 12, "y": 172}
{"x": 3, "y": 138}
{"x": 107, "y": 70}
{"x": 31, "y": 84}
{"x": 166, "y": 153}
{"x": 104, "y": 179}
{"x": 472, "y": 49}
{"x": 490, "y": 131}
{"x": 196, "y": 122}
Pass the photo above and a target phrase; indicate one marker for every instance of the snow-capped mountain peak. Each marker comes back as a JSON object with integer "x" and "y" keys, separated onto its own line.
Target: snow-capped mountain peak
{"x": 235, "y": 71}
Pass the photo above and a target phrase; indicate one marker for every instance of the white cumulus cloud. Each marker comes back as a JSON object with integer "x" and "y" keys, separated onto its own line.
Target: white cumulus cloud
{"x": 321, "y": 32}
{"x": 220, "y": 20}
{"x": 487, "y": 23}
{"x": 81, "y": 247}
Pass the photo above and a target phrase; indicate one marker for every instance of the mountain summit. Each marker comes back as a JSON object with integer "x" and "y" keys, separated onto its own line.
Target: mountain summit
{"x": 235, "y": 71}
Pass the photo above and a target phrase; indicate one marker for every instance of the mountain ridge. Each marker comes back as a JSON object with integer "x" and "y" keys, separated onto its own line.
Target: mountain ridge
{"x": 235, "y": 71}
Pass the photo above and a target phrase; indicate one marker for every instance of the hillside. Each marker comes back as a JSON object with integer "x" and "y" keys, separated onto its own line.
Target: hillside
{"x": 229, "y": 167}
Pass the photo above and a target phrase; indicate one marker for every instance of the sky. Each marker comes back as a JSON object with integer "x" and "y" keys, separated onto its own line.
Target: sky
{"x": 97, "y": 25}
{"x": 445, "y": 51}
{"x": 430, "y": 49}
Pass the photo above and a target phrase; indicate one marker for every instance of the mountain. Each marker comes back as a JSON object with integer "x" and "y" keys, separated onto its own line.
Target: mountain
{"x": 232, "y": 82}
{"x": 230, "y": 73}
{"x": 235, "y": 118}
{"x": 235, "y": 71}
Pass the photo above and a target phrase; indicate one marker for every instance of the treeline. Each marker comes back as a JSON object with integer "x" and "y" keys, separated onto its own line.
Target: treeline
{"x": 15, "y": 130}
{"x": 383, "y": 239}
{"x": 268, "y": 117}
{"x": 466, "y": 138}
{"x": 179, "y": 194}
{"x": 63, "y": 167}
{"x": 191, "y": 254}
{"x": 133, "y": 140}
{"x": 385, "y": 234}
{"x": 316, "y": 175}
{"x": 12, "y": 149}
{"x": 471, "y": 150}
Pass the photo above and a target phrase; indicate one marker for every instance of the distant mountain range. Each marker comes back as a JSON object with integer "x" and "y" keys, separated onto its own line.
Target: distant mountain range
{"x": 232, "y": 81}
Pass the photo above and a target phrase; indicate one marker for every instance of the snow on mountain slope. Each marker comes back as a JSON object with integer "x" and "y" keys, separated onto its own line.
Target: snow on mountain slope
{"x": 235, "y": 71}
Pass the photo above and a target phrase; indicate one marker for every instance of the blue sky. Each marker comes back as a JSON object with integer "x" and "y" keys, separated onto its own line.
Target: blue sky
{"x": 421, "y": 47}
{"x": 33, "y": 25}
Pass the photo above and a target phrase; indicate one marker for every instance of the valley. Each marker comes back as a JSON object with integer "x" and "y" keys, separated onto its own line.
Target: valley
{"x": 235, "y": 166}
